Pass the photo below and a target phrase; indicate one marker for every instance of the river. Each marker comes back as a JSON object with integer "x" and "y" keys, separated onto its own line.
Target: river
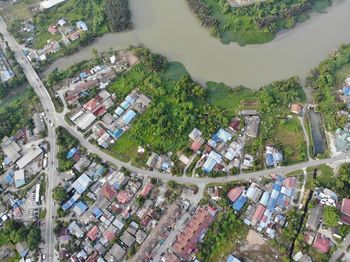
{"x": 168, "y": 27}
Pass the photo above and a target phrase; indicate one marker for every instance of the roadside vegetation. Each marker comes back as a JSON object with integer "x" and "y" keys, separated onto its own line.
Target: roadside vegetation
{"x": 256, "y": 23}
{"x": 65, "y": 142}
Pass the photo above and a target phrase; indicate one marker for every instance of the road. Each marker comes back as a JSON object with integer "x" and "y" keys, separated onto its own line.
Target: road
{"x": 341, "y": 249}
{"x": 49, "y": 109}
{"x": 58, "y": 119}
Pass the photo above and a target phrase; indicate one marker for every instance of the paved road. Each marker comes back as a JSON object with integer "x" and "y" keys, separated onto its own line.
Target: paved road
{"x": 342, "y": 248}
{"x": 49, "y": 109}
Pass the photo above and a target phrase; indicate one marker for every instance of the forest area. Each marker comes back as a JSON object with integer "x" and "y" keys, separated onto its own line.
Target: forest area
{"x": 255, "y": 23}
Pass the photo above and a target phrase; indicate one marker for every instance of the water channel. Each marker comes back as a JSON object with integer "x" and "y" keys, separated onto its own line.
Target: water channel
{"x": 168, "y": 27}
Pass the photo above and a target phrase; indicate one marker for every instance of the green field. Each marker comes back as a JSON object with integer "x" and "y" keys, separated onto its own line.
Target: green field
{"x": 291, "y": 138}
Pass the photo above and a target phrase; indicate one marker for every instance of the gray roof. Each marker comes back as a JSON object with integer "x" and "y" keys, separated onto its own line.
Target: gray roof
{"x": 314, "y": 217}
{"x": 127, "y": 239}
{"x": 117, "y": 252}
{"x": 30, "y": 156}
{"x": 11, "y": 150}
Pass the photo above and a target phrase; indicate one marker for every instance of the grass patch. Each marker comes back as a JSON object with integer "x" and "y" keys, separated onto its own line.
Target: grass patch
{"x": 291, "y": 136}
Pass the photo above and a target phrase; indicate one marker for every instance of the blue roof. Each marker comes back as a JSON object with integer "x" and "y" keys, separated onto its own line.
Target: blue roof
{"x": 119, "y": 111}
{"x": 346, "y": 90}
{"x": 222, "y": 135}
{"x": 280, "y": 200}
{"x": 71, "y": 152}
{"x": 19, "y": 182}
{"x": 82, "y": 207}
{"x": 269, "y": 160}
{"x": 125, "y": 104}
{"x": 271, "y": 204}
{"x": 165, "y": 166}
{"x": 99, "y": 172}
{"x": 130, "y": 99}
{"x": 116, "y": 133}
{"x": 97, "y": 212}
{"x": 239, "y": 203}
{"x": 277, "y": 186}
{"x": 7, "y": 160}
{"x": 9, "y": 179}
{"x": 130, "y": 115}
{"x": 265, "y": 198}
{"x": 69, "y": 203}
{"x": 231, "y": 258}
{"x": 116, "y": 185}
{"x": 83, "y": 75}
{"x": 209, "y": 165}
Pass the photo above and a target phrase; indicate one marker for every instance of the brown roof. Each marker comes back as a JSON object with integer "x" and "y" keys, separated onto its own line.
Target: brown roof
{"x": 146, "y": 190}
{"x": 234, "y": 193}
{"x": 108, "y": 192}
{"x": 186, "y": 242}
{"x": 92, "y": 234}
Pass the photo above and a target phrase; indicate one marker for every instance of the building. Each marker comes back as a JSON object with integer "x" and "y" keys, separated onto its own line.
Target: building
{"x": 342, "y": 140}
{"x": 82, "y": 183}
{"x": 128, "y": 117}
{"x": 195, "y": 133}
{"x": 11, "y": 149}
{"x": 19, "y": 178}
{"x": 34, "y": 152}
{"x": 345, "y": 211}
{"x": 22, "y": 249}
{"x": 74, "y": 229}
{"x": 321, "y": 243}
{"x": 128, "y": 239}
{"x": 79, "y": 208}
{"x": 252, "y": 126}
{"x": 314, "y": 217}
{"x": 186, "y": 241}
{"x": 81, "y": 25}
{"x": 108, "y": 192}
{"x": 117, "y": 252}
{"x": 93, "y": 233}
{"x": 50, "y": 3}
{"x": 234, "y": 193}
{"x": 296, "y": 109}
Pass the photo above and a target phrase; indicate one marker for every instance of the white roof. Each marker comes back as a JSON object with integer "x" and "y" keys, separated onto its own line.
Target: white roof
{"x": 50, "y": 3}
{"x": 31, "y": 155}
{"x": 215, "y": 156}
{"x": 85, "y": 120}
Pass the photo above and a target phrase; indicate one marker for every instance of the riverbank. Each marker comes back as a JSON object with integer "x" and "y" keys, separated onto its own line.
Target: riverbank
{"x": 182, "y": 38}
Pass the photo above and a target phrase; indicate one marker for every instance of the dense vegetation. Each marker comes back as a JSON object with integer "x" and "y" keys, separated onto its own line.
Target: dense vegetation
{"x": 322, "y": 80}
{"x": 15, "y": 232}
{"x": 221, "y": 238}
{"x": 17, "y": 114}
{"x": 65, "y": 142}
{"x": 59, "y": 194}
{"x": 118, "y": 15}
{"x": 252, "y": 24}
{"x": 178, "y": 105}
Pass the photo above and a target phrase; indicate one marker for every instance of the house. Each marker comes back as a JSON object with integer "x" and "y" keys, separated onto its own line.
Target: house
{"x": 117, "y": 253}
{"x": 258, "y": 214}
{"x": 195, "y": 133}
{"x": 314, "y": 217}
{"x": 22, "y": 248}
{"x": 296, "y": 109}
{"x": 11, "y": 149}
{"x": 239, "y": 203}
{"x": 61, "y": 22}
{"x": 19, "y": 178}
{"x": 197, "y": 144}
{"x": 234, "y": 124}
{"x": 234, "y": 193}
{"x": 34, "y": 152}
{"x": 81, "y": 25}
{"x": 52, "y": 30}
{"x": 93, "y": 233}
{"x": 152, "y": 160}
{"x": 231, "y": 258}
{"x": 108, "y": 192}
{"x": 75, "y": 229}
{"x": 79, "y": 208}
{"x": 128, "y": 117}
{"x": 146, "y": 190}
{"x": 321, "y": 243}
{"x": 342, "y": 140}
{"x": 222, "y": 135}
{"x": 128, "y": 239}
{"x": 82, "y": 183}
{"x": 345, "y": 211}
{"x": 212, "y": 160}
{"x": 252, "y": 126}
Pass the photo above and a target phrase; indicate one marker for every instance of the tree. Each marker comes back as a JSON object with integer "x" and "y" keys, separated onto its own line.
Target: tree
{"x": 330, "y": 216}
{"x": 33, "y": 238}
{"x": 59, "y": 194}
{"x": 118, "y": 15}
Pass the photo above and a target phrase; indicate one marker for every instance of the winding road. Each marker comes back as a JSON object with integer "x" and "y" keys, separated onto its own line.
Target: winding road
{"x": 58, "y": 120}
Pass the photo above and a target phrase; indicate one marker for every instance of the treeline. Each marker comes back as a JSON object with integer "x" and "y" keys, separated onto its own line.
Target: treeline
{"x": 65, "y": 141}
{"x": 203, "y": 12}
{"x": 17, "y": 114}
{"x": 322, "y": 80}
{"x": 15, "y": 232}
{"x": 118, "y": 15}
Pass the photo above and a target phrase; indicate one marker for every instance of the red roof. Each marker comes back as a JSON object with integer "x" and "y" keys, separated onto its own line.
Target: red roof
{"x": 52, "y": 30}
{"x": 92, "y": 234}
{"x": 289, "y": 182}
{"x": 108, "y": 191}
{"x": 109, "y": 235}
{"x": 99, "y": 110}
{"x": 234, "y": 193}
{"x": 345, "y": 219}
{"x": 196, "y": 145}
{"x": 345, "y": 206}
{"x": 186, "y": 241}
{"x": 123, "y": 197}
{"x": 235, "y": 124}
{"x": 93, "y": 257}
{"x": 91, "y": 104}
{"x": 321, "y": 243}
{"x": 146, "y": 190}
{"x": 259, "y": 212}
